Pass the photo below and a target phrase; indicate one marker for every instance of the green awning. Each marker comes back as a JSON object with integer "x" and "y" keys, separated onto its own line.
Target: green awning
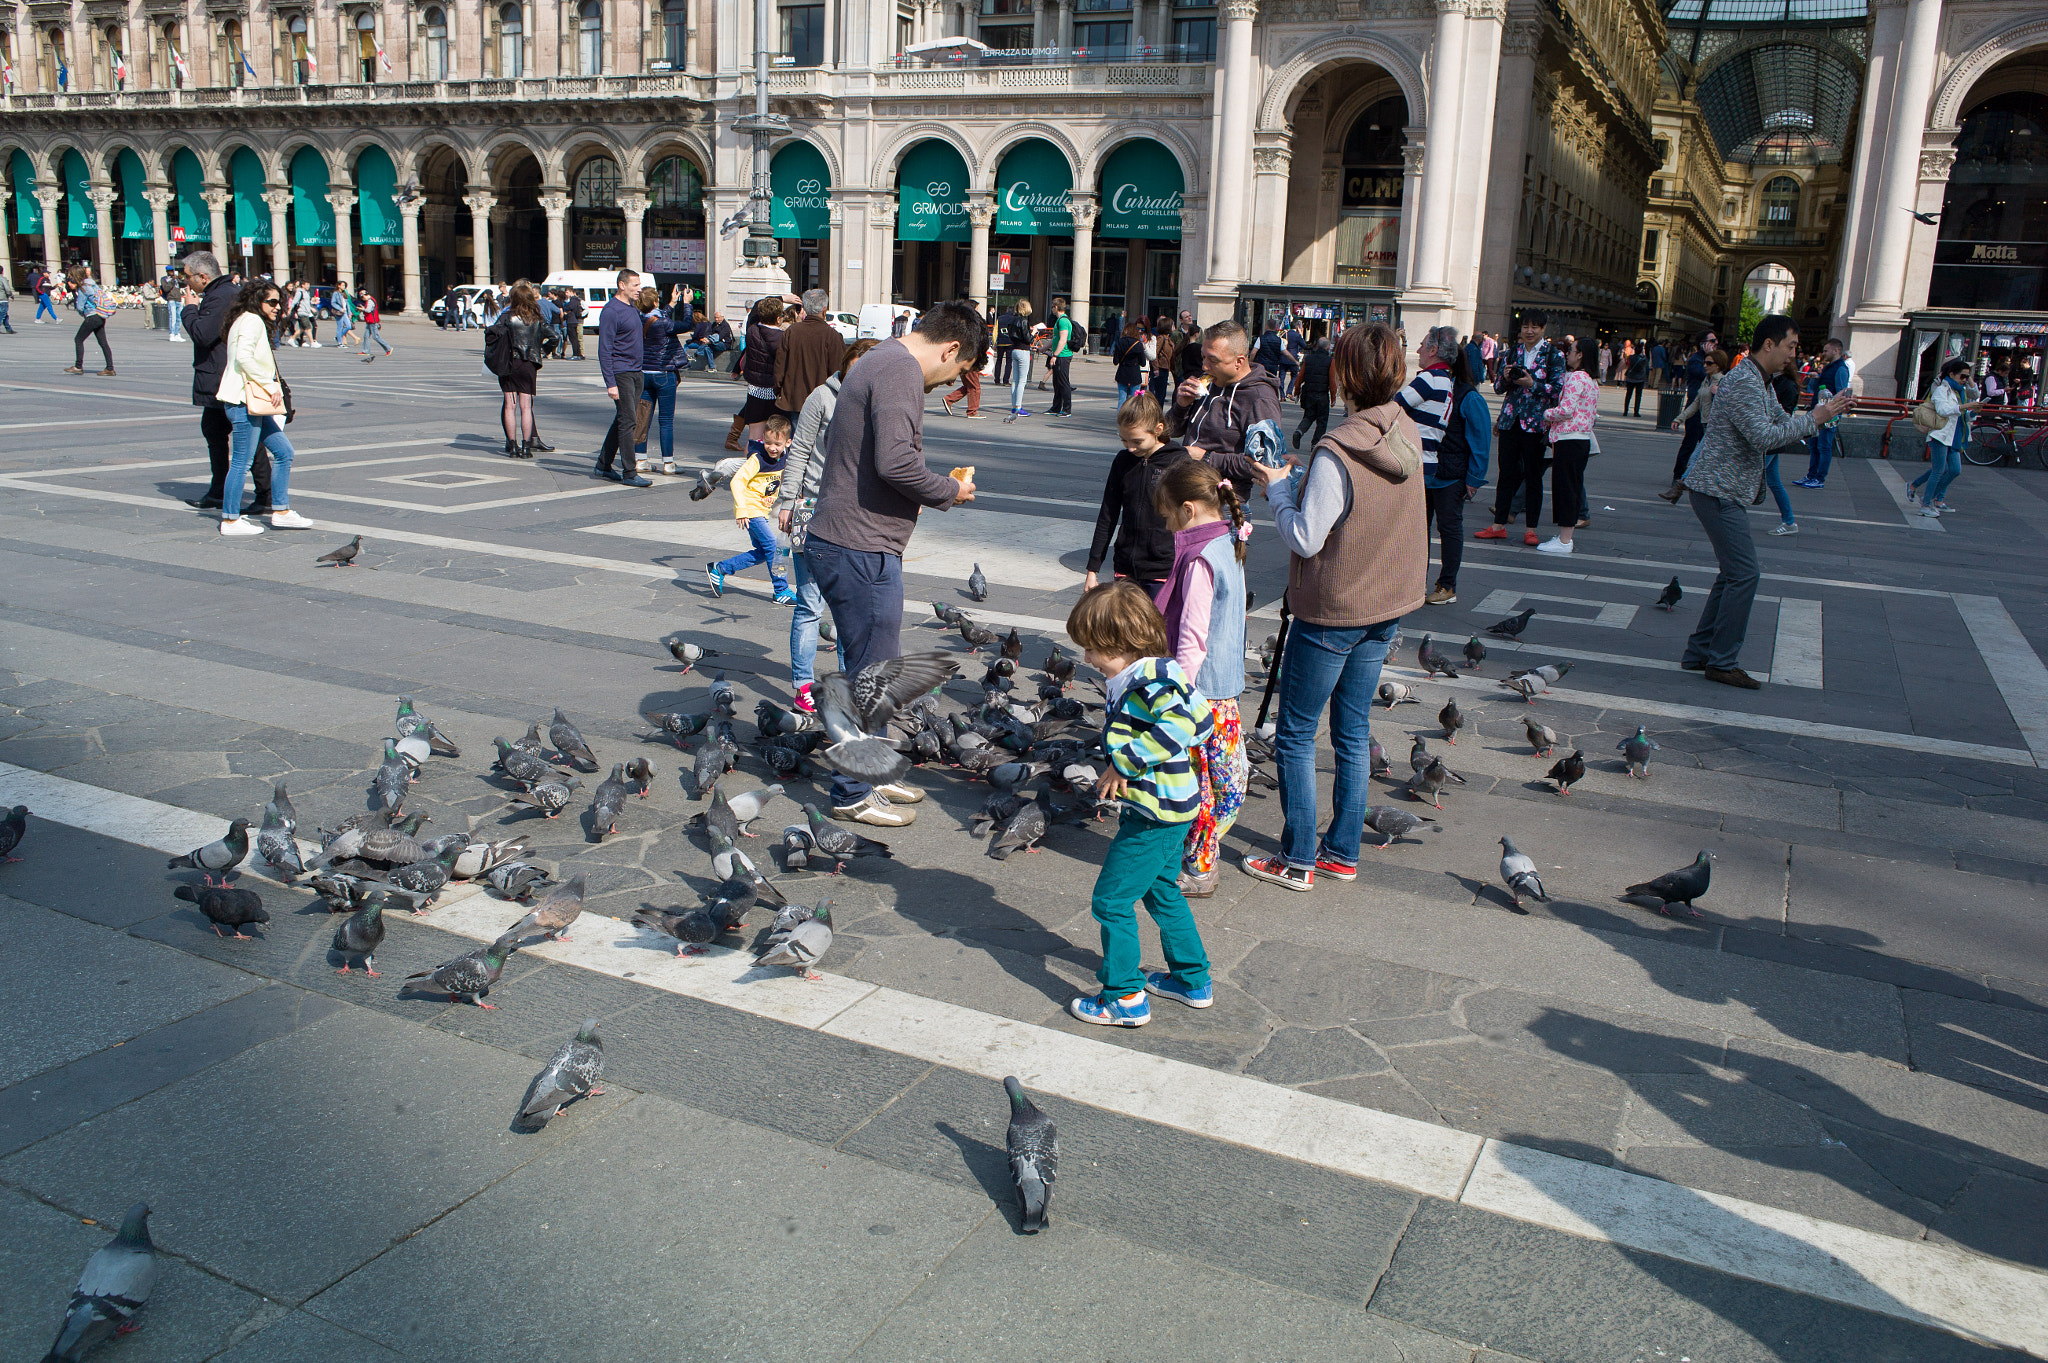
{"x": 802, "y": 185}
{"x": 1142, "y": 190}
{"x": 312, "y": 215}
{"x": 79, "y": 218}
{"x": 1032, "y": 186}
{"x": 136, "y": 224}
{"x": 251, "y": 220}
{"x": 377, "y": 199}
{"x": 190, "y": 183}
{"x": 931, "y": 194}
{"x": 28, "y": 213}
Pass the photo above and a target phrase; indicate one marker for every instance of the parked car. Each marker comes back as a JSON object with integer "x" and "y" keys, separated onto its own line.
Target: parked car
{"x": 878, "y": 320}
{"x": 596, "y": 286}
{"x": 465, "y": 291}
{"x": 848, "y": 324}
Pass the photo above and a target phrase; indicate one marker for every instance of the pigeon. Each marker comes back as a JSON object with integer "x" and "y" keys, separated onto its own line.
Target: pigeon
{"x": 949, "y": 615}
{"x": 532, "y": 742}
{"x": 719, "y": 820}
{"x": 1419, "y": 756}
{"x": 713, "y": 761}
{"x": 1541, "y": 736}
{"x": 1376, "y": 758}
{"x": 1452, "y": 719}
{"x": 746, "y": 806}
{"x": 225, "y": 906}
{"x": 415, "y": 749}
{"x": 1392, "y": 693}
{"x": 516, "y": 879}
{"x": 1512, "y": 627}
{"x": 1475, "y": 652}
{"x": 1568, "y": 769}
{"x": 1269, "y": 648}
{"x": 1432, "y": 662}
{"x": 479, "y": 858}
{"x": 1672, "y": 594}
{"x": 975, "y": 635}
{"x": 677, "y": 725}
{"x": 689, "y": 654}
{"x": 796, "y": 849}
{"x": 640, "y": 776}
{"x": 550, "y": 797}
{"x": 723, "y": 695}
{"x": 1393, "y": 824}
{"x": 1636, "y": 748}
{"x": 521, "y": 765}
{"x": 359, "y": 935}
{"x": 276, "y": 845}
{"x": 1527, "y": 686}
{"x": 393, "y": 846}
{"x": 425, "y": 879}
{"x": 1430, "y": 781}
{"x": 14, "y": 828}
{"x": 216, "y": 858}
{"x": 804, "y": 945}
{"x": 411, "y": 721}
{"x": 114, "y": 1286}
{"x": 341, "y": 893}
{"x": 553, "y": 915}
{"x": 855, "y": 711}
{"x": 728, "y": 862}
{"x": 608, "y": 803}
{"x": 1681, "y": 886}
{"x": 278, "y": 809}
{"x": 977, "y": 585}
{"x": 691, "y": 929}
{"x": 1034, "y": 1145}
{"x": 469, "y": 977}
{"x": 572, "y": 1074}
{"x": 1010, "y": 775}
{"x": 792, "y": 914}
{"x": 1059, "y": 666}
{"x": 728, "y": 904}
{"x": 1013, "y": 646}
{"x": 841, "y": 844}
{"x": 702, "y": 489}
{"x": 828, "y": 633}
{"x": 568, "y": 741}
{"x": 1548, "y": 673}
{"x": 393, "y": 776}
{"x": 1518, "y": 873}
{"x": 1025, "y": 829}
{"x": 343, "y": 557}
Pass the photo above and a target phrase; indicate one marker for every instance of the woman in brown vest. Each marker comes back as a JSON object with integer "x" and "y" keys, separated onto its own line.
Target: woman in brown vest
{"x": 1354, "y": 525}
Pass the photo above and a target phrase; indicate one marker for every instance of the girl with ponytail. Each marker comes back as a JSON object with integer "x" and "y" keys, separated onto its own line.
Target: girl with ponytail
{"x": 1203, "y": 601}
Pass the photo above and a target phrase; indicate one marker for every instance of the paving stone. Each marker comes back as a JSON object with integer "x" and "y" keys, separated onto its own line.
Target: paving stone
{"x": 1829, "y": 1183}
{"x": 973, "y": 974}
{"x": 1296, "y": 1055}
{"x": 303, "y": 1338}
{"x": 1921, "y": 913}
{"x": 1318, "y": 989}
{"x": 2000, "y": 1215}
{"x": 1619, "y": 1042}
{"x": 1717, "y": 1109}
{"x": 1412, "y": 1031}
{"x": 1979, "y": 1043}
{"x": 552, "y": 1003}
{"x": 1382, "y": 1092}
{"x": 1527, "y": 1099}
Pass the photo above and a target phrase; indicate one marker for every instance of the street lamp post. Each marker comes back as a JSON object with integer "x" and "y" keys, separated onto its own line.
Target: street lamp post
{"x": 760, "y": 273}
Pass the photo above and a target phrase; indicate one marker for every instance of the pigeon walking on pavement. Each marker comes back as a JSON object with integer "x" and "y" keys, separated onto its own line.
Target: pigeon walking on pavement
{"x": 217, "y": 858}
{"x": 689, "y": 654}
{"x": 1528, "y": 686}
{"x": 1636, "y": 750}
{"x": 553, "y": 915}
{"x": 1672, "y": 594}
{"x": 841, "y": 843}
{"x": 393, "y": 777}
{"x": 14, "y": 828}
{"x": 1419, "y": 756}
{"x": 692, "y": 930}
{"x": 1518, "y": 873}
{"x": 1681, "y": 886}
{"x": 1512, "y": 627}
{"x": 639, "y": 776}
{"x": 343, "y": 557}
{"x": 225, "y": 906}
{"x": 1432, "y": 662}
{"x": 360, "y": 934}
{"x": 1541, "y": 736}
{"x": 521, "y": 765}
{"x": 1392, "y": 693}
{"x": 608, "y": 803}
{"x": 411, "y": 722}
{"x": 1568, "y": 770}
{"x": 977, "y": 585}
{"x": 276, "y": 845}
{"x": 568, "y": 741}
{"x": 115, "y": 1285}
{"x": 804, "y": 946}
{"x": 1394, "y": 824}
{"x": 677, "y": 725}
{"x": 1377, "y": 763}
{"x": 572, "y": 1074}
{"x": 549, "y": 797}
{"x": 470, "y": 976}
{"x": 1429, "y": 782}
{"x": 1033, "y": 1142}
{"x": 1475, "y": 652}
{"x": 746, "y": 806}
{"x": 1452, "y": 719}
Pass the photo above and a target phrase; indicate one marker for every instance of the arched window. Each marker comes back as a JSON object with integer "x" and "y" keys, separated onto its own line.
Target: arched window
{"x": 597, "y": 183}
{"x": 366, "y": 45}
{"x": 590, "y": 38}
{"x": 1781, "y": 203}
{"x": 675, "y": 183}
{"x": 675, "y": 28}
{"x": 117, "y": 60}
{"x": 511, "y": 43}
{"x": 176, "y": 73}
{"x": 436, "y": 20}
{"x": 302, "y": 69}
{"x": 231, "y": 53}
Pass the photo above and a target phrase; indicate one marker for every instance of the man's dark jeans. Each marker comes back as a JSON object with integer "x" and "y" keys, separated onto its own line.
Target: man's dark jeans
{"x": 1522, "y": 458}
{"x": 1724, "y": 620}
{"x": 619, "y": 440}
{"x": 1314, "y": 412}
{"x": 865, "y": 592}
{"x": 219, "y": 431}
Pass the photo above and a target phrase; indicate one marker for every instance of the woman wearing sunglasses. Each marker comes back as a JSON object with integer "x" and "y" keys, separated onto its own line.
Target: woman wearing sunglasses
{"x": 252, "y": 392}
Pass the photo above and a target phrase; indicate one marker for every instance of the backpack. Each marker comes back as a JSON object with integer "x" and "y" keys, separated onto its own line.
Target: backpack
{"x": 498, "y": 345}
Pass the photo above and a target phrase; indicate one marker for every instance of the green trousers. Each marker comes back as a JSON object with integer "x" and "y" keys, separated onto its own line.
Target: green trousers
{"x": 1144, "y": 862}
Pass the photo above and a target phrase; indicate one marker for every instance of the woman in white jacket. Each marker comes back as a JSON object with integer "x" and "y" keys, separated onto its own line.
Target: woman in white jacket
{"x": 250, "y": 375}
{"x": 1945, "y": 444}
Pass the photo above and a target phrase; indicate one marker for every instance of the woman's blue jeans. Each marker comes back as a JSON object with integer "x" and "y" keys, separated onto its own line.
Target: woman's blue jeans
{"x": 659, "y": 387}
{"x": 1125, "y": 392}
{"x": 1340, "y": 668}
{"x": 1777, "y": 487}
{"x": 1020, "y": 378}
{"x": 803, "y": 621}
{"x": 246, "y": 433}
{"x": 1944, "y": 462}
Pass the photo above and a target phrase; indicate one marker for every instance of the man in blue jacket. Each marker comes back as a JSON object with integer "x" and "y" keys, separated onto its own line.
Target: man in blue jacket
{"x": 619, "y": 356}
{"x": 1833, "y": 378}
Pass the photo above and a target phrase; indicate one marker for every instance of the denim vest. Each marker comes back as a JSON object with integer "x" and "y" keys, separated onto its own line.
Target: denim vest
{"x": 1222, "y": 673}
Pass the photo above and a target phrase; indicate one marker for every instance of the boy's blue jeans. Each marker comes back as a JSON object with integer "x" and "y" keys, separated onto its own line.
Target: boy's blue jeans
{"x": 762, "y": 532}
{"x": 1143, "y": 861}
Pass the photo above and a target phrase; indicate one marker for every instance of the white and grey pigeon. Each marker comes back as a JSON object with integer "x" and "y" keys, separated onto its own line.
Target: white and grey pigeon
{"x": 480, "y": 858}
{"x": 1034, "y": 1145}
{"x": 414, "y": 748}
{"x": 572, "y": 1074}
{"x": 276, "y": 845}
{"x": 790, "y": 915}
{"x": 1528, "y": 686}
{"x": 804, "y": 946}
{"x": 1392, "y": 693}
{"x": 217, "y": 858}
{"x": 855, "y": 711}
{"x": 747, "y": 805}
{"x": 1518, "y": 873}
{"x": 115, "y": 1285}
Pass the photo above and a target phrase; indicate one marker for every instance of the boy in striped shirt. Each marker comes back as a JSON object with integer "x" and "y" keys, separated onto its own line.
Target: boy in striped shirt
{"x": 1156, "y": 721}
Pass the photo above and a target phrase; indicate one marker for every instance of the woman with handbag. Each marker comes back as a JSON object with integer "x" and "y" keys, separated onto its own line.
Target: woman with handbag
{"x": 252, "y": 393}
{"x": 94, "y": 308}
{"x": 1951, "y": 400}
{"x": 795, "y": 501}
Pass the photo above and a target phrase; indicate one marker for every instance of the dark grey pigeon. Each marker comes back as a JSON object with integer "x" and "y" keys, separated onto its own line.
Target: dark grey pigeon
{"x": 278, "y": 808}
{"x": 225, "y": 906}
{"x": 1513, "y": 626}
{"x": 1636, "y": 748}
{"x": 343, "y": 557}
{"x": 520, "y": 764}
{"x": 729, "y": 903}
{"x": 713, "y": 761}
{"x": 719, "y": 818}
{"x": 572, "y": 1074}
{"x": 216, "y": 858}
{"x": 1475, "y": 652}
{"x": 639, "y": 776}
{"x": 1518, "y": 873}
{"x": 974, "y": 634}
{"x": 553, "y": 915}
{"x": 1429, "y": 782}
{"x": 676, "y": 724}
{"x": 276, "y": 845}
{"x": 396, "y": 845}
{"x": 692, "y": 929}
{"x": 841, "y": 843}
{"x": 1419, "y": 755}
{"x": 855, "y": 711}
{"x": 796, "y": 849}
{"x": 394, "y": 774}
{"x": 470, "y": 976}
{"x": 977, "y": 585}
{"x": 14, "y": 828}
{"x": 1541, "y": 736}
{"x": 1672, "y": 594}
{"x": 998, "y": 810}
{"x": 1034, "y": 1145}
{"x": 1681, "y": 886}
{"x": 1452, "y": 719}
{"x": 792, "y": 914}
{"x": 608, "y": 805}
{"x": 516, "y": 879}
{"x": 115, "y": 1285}
{"x": 360, "y": 934}
{"x": 803, "y": 946}
{"x": 568, "y": 741}
{"x": 1431, "y": 661}
{"x": 1377, "y": 762}
{"x": 1394, "y": 824}
{"x": 342, "y": 893}
{"x": 549, "y": 797}
{"x": 724, "y": 696}
{"x": 425, "y": 879}
{"x": 1568, "y": 770}
{"x": 533, "y": 742}
{"x": 1025, "y": 829}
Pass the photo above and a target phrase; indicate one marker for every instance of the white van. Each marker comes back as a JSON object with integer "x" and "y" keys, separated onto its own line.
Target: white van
{"x": 877, "y": 320}
{"x": 596, "y": 286}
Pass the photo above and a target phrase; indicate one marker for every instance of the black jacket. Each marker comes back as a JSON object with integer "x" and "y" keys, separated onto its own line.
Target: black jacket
{"x": 1015, "y": 331}
{"x": 1315, "y": 376}
{"x": 1144, "y": 541}
{"x": 202, "y": 322}
{"x": 1129, "y": 354}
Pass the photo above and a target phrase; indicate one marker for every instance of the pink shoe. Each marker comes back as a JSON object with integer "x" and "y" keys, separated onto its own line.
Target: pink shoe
{"x": 804, "y": 704}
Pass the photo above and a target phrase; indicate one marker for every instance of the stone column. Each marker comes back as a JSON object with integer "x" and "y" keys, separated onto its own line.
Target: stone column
{"x": 51, "y": 200}
{"x": 409, "y": 220}
{"x": 1484, "y": 31}
{"x": 1412, "y": 157}
{"x": 1269, "y": 211}
{"x": 881, "y": 283}
{"x": 981, "y": 215}
{"x": 1063, "y": 11}
{"x": 1232, "y": 173}
{"x": 1085, "y": 209}
{"x": 217, "y": 221}
{"x": 832, "y": 279}
{"x": 102, "y": 197}
{"x": 160, "y": 201}
{"x": 635, "y": 206}
{"x": 480, "y": 206}
{"x": 1514, "y": 89}
{"x": 556, "y": 205}
{"x": 280, "y": 201}
{"x": 1431, "y": 277}
{"x": 344, "y": 239}
{"x": 501, "y": 240}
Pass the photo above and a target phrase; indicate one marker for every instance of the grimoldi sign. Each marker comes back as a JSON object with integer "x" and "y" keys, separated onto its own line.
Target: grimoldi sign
{"x": 1142, "y": 192}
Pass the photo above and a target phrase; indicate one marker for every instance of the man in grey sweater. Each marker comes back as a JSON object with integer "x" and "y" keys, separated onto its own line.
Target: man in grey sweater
{"x": 873, "y": 485}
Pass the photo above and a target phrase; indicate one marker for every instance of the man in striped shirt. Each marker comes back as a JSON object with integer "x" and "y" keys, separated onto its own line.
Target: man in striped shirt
{"x": 1427, "y": 397}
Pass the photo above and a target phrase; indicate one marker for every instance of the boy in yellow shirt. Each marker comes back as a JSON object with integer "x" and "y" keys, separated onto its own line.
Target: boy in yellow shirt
{"x": 753, "y": 503}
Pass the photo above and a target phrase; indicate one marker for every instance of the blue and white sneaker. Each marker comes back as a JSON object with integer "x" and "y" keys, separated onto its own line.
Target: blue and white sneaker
{"x": 1129, "y": 1011}
{"x": 715, "y": 578}
{"x": 785, "y": 597}
{"x": 1170, "y": 986}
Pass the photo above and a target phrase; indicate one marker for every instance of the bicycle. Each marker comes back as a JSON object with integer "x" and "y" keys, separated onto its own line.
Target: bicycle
{"x": 1994, "y": 440}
